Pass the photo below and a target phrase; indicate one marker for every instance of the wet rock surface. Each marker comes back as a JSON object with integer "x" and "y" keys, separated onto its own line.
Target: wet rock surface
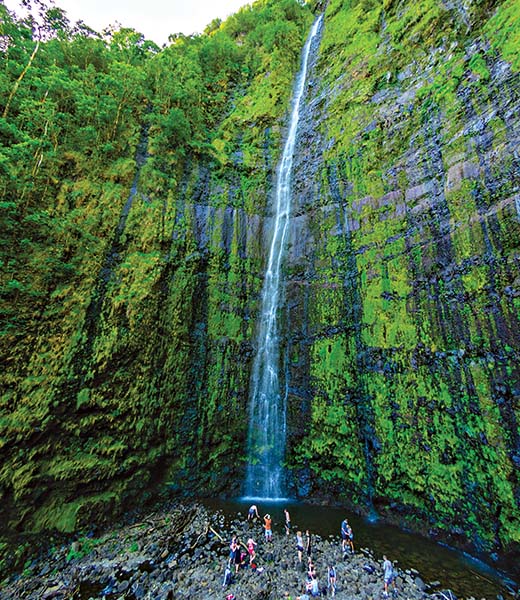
{"x": 183, "y": 551}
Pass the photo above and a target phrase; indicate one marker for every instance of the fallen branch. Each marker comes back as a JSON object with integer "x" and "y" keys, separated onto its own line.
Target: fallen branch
{"x": 152, "y": 525}
{"x": 217, "y": 534}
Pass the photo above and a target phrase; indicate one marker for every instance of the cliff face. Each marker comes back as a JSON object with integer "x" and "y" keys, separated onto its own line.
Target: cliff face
{"x": 403, "y": 281}
{"x": 134, "y": 260}
{"x": 128, "y": 362}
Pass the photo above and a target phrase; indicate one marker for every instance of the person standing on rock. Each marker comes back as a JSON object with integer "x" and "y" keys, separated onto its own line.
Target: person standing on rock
{"x": 268, "y": 528}
{"x": 344, "y": 526}
{"x": 350, "y": 538}
{"x": 347, "y": 536}
{"x": 287, "y": 521}
{"x": 227, "y": 575}
{"x": 232, "y": 546}
{"x": 388, "y": 573}
{"x": 308, "y": 544}
{"x": 332, "y": 580}
{"x": 236, "y": 553}
{"x": 251, "y": 544}
{"x": 299, "y": 545}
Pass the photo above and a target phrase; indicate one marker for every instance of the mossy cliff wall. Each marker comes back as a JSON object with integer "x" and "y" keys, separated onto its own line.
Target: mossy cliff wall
{"x": 403, "y": 281}
{"x": 137, "y": 190}
{"x": 129, "y": 304}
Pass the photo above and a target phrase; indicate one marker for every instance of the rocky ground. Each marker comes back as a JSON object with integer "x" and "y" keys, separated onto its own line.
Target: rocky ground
{"x": 183, "y": 552}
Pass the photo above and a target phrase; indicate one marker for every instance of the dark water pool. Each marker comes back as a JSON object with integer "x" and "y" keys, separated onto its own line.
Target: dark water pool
{"x": 455, "y": 570}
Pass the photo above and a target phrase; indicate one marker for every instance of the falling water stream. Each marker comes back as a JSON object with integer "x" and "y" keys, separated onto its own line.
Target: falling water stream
{"x": 267, "y": 415}
{"x": 265, "y": 481}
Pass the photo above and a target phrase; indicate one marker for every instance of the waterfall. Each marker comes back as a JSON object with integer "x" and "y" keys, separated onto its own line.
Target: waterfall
{"x": 267, "y": 410}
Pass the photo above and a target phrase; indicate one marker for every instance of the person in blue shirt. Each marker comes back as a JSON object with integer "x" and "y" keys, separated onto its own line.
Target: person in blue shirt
{"x": 347, "y": 536}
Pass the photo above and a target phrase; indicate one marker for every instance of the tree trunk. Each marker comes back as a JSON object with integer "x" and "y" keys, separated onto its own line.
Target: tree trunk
{"x": 19, "y": 80}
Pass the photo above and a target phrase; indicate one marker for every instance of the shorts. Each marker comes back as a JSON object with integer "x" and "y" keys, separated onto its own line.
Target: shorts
{"x": 268, "y": 533}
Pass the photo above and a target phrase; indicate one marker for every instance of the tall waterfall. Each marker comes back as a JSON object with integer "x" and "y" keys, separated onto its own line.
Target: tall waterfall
{"x": 267, "y": 412}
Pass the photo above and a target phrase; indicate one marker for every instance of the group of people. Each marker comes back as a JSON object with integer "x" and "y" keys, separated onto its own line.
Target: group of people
{"x": 347, "y": 537}
{"x": 237, "y": 556}
{"x": 242, "y": 554}
{"x": 312, "y": 586}
{"x": 253, "y": 515}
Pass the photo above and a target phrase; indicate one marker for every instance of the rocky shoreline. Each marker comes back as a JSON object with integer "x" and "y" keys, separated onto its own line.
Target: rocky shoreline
{"x": 182, "y": 552}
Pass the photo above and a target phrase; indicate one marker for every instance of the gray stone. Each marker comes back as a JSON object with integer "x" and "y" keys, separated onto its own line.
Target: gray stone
{"x": 419, "y": 583}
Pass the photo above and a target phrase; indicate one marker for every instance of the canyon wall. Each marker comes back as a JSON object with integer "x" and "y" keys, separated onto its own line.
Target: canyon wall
{"x": 403, "y": 284}
{"x": 135, "y": 241}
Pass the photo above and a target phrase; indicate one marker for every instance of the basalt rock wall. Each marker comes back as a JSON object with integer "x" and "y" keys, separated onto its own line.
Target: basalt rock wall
{"x": 403, "y": 281}
{"x": 129, "y": 326}
{"x": 133, "y": 268}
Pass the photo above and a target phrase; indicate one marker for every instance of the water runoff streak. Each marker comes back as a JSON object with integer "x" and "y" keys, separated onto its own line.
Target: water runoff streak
{"x": 267, "y": 412}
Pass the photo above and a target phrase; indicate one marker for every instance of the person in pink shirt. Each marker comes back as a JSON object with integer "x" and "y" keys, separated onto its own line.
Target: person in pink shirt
{"x": 251, "y": 544}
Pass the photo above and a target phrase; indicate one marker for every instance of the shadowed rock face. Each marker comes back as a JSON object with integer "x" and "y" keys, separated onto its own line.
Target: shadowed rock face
{"x": 400, "y": 320}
